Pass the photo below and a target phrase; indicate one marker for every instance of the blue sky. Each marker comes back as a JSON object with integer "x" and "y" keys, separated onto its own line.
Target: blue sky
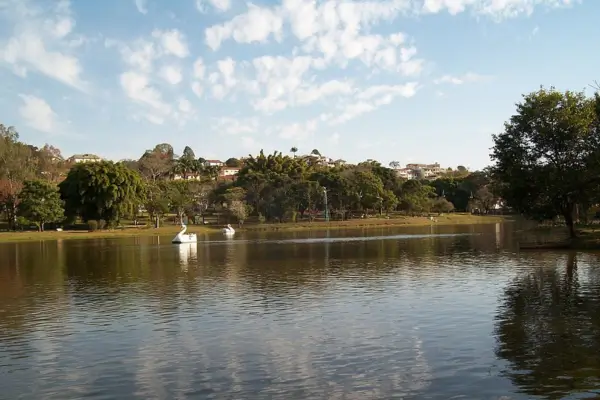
{"x": 404, "y": 80}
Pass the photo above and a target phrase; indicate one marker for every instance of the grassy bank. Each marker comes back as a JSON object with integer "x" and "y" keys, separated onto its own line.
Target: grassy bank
{"x": 588, "y": 238}
{"x": 449, "y": 219}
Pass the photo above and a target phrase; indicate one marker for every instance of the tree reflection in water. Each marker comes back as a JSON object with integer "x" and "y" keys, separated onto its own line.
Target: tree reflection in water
{"x": 548, "y": 329}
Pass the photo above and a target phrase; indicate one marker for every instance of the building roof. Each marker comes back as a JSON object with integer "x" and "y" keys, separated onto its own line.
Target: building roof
{"x": 214, "y": 161}
{"x": 85, "y": 157}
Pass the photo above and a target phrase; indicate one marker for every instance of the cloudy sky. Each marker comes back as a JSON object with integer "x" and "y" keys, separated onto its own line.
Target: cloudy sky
{"x": 405, "y": 80}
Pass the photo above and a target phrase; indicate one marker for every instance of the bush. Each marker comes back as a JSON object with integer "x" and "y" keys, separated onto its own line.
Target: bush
{"x": 93, "y": 225}
{"x": 261, "y": 218}
{"x": 102, "y": 224}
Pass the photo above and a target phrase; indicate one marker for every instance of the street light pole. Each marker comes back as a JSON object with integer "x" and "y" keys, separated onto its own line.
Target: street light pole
{"x": 325, "y": 201}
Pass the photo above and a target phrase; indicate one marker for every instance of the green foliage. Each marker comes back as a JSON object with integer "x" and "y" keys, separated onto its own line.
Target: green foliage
{"x": 40, "y": 203}
{"x": 416, "y": 197}
{"x": 547, "y": 160}
{"x": 441, "y": 205}
{"x": 239, "y": 210}
{"x": 100, "y": 190}
{"x": 92, "y": 225}
{"x": 233, "y": 162}
{"x": 17, "y": 164}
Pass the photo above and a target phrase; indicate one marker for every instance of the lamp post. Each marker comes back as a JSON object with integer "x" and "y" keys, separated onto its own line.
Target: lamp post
{"x": 325, "y": 201}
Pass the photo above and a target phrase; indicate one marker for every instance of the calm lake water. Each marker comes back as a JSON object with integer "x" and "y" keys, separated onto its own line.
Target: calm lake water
{"x": 375, "y": 314}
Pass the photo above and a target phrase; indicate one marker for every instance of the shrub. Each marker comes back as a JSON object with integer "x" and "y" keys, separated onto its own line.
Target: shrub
{"x": 93, "y": 225}
{"x": 102, "y": 224}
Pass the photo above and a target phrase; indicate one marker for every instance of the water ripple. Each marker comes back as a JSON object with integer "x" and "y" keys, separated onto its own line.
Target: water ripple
{"x": 443, "y": 317}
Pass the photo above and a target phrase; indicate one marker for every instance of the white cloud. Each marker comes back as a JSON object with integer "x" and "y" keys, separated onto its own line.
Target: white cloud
{"x": 184, "y": 105}
{"x": 142, "y": 6}
{"x": 469, "y": 77}
{"x": 235, "y": 126}
{"x": 172, "y": 74}
{"x": 199, "y": 69}
{"x": 298, "y": 132}
{"x": 255, "y": 25}
{"x": 41, "y": 42}
{"x": 334, "y": 138}
{"x": 137, "y": 87}
{"x": 38, "y": 114}
{"x": 197, "y": 89}
{"x": 371, "y": 98}
{"x": 172, "y": 42}
{"x": 219, "y": 5}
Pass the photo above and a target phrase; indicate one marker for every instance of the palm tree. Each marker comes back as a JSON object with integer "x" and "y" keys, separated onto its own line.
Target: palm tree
{"x": 294, "y": 150}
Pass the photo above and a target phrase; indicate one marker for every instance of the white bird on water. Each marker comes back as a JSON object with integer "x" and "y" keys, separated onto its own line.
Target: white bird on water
{"x": 183, "y": 237}
{"x": 228, "y": 230}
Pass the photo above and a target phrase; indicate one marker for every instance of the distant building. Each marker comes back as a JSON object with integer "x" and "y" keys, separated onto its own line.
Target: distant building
{"x": 229, "y": 171}
{"x": 414, "y": 170}
{"x": 214, "y": 163}
{"x": 84, "y": 158}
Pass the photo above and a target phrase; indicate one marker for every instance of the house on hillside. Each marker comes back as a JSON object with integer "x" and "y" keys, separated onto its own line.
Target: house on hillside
{"x": 84, "y": 158}
{"x": 214, "y": 163}
{"x": 228, "y": 173}
{"x": 407, "y": 173}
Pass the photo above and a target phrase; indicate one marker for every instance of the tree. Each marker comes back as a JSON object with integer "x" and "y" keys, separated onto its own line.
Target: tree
{"x": 484, "y": 199}
{"x": 50, "y": 164}
{"x": 40, "y": 203}
{"x": 180, "y": 197}
{"x": 416, "y": 197}
{"x": 461, "y": 168}
{"x": 441, "y": 205}
{"x": 154, "y": 165}
{"x": 233, "y": 163}
{"x": 188, "y": 153}
{"x": 239, "y": 210}
{"x": 294, "y": 150}
{"x": 316, "y": 152}
{"x": 156, "y": 201}
{"x": 17, "y": 164}
{"x": 394, "y": 164}
{"x": 547, "y": 160}
{"x": 95, "y": 191}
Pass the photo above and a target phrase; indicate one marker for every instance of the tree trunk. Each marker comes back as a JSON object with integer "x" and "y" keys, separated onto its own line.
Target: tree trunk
{"x": 568, "y": 215}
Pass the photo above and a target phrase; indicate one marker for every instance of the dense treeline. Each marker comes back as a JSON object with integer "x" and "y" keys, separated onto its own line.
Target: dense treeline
{"x": 37, "y": 186}
{"x": 547, "y": 160}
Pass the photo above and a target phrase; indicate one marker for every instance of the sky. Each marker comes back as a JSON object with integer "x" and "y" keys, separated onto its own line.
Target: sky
{"x": 392, "y": 80}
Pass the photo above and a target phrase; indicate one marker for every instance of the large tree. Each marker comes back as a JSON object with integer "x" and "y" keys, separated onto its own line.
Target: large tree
{"x": 95, "y": 191}
{"x": 40, "y": 203}
{"x": 547, "y": 160}
{"x": 17, "y": 164}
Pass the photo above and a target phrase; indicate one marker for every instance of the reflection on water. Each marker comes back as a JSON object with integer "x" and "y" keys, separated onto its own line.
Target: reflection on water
{"x": 273, "y": 316}
{"x": 548, "y": 328}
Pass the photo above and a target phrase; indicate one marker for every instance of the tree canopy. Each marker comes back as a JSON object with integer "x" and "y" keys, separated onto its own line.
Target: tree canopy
{"x": 40, "y": 203}
{"x": 100, "y": 191}
{"x": 547, "y": 160}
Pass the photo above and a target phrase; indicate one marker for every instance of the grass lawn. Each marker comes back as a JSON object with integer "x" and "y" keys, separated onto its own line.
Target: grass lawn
{"x": 172, "y": 229}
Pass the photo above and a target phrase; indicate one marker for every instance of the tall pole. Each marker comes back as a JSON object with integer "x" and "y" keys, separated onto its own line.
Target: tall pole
{"x": 325, "y": 201}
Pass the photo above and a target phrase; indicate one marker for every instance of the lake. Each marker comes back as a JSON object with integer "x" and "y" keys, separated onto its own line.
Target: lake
{"x": 425, "y": 313}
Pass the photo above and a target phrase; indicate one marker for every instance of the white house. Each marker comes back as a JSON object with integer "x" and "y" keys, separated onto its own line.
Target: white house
{"x": 214, "y": 163}
{"x": 84, "y": 158}
{"x": 229, "y": 171}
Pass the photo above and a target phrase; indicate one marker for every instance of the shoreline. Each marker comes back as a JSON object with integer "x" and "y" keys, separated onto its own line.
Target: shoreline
{"x": 588, "y": 238}
{"x": 143, "y": 231}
